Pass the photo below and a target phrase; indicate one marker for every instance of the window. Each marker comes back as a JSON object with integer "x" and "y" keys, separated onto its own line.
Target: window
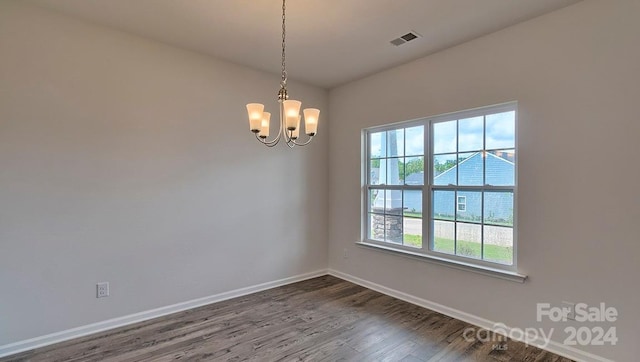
{"x": 445, "y": 186}
{"x": 462, "y": 203}
{"x": 396, "y": 177}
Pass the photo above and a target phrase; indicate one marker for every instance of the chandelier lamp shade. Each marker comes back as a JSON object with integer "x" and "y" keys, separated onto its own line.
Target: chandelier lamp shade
{"x": 289, "y": 122}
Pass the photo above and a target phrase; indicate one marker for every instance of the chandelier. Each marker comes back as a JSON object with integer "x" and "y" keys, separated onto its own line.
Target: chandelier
{"x": 289, "y": 122}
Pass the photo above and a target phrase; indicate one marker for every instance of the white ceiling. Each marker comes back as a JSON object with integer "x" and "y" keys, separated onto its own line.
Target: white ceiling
{"x": 329, "y": 42}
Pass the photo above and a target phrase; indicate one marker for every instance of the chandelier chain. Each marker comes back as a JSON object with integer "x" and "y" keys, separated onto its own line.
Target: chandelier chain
{"x": 284, "y": 33}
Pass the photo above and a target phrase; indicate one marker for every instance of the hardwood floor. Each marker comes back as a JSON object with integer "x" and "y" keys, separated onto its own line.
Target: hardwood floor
{"x": 322, "y": 319}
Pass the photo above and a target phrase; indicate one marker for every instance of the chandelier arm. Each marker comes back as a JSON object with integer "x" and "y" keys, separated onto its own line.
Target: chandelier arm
{"x": 268, "y": 143}
{"x": 303, "y": 143}
{"x": 290, "y": 144}
{"x": 272, "y": 142}
{"x": 280, "y": 128}
{"x": 287, "y": 135}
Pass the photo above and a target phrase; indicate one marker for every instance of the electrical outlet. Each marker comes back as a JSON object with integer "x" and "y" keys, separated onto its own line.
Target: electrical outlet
{"x": 345, "y": 253}
{"x": 570, "y": 310}
{"x": 102, "y": 290}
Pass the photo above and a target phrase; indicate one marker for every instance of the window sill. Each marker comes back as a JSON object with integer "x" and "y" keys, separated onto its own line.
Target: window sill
{"x": 492, "y": 272}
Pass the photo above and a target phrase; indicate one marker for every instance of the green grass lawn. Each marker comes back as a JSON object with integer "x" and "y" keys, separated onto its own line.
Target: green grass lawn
{"x": 412, "y": 214}
{"x": 486, "y": 222}
{"x": 501, "y": 254}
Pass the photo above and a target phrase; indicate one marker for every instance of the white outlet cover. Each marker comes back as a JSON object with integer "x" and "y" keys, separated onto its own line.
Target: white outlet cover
{"x": 102, "y": 290}
{"x": 571, "y": 307}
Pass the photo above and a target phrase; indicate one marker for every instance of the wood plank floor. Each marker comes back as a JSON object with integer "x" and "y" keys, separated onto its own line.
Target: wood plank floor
{"x": 322, "y": 319}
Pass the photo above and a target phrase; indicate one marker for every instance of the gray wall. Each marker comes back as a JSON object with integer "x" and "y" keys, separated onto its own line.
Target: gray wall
{"x": 129, "y": 161}
{"x": 575, "y": 73}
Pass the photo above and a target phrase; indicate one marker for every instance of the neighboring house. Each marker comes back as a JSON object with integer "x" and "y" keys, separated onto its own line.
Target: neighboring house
{"x": 414, "y": 179}
{"x": 414, "y": 204}
{"x": 500, "y": 171}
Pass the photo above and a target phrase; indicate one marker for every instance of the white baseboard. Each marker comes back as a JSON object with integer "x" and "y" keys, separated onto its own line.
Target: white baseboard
{"x": 68, "y": 334}
{"x": 552, "y": 346}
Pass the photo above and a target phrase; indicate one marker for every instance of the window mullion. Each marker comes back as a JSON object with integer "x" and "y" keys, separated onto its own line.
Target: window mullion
{"x": 484, "y": 182}
{"x": 394, "y": 187}
{"x": 455, "y": 210}
{"x": 426, "y": 195}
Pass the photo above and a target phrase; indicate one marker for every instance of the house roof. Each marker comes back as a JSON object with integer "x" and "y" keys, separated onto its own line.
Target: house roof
{"x": 479, "y": 153}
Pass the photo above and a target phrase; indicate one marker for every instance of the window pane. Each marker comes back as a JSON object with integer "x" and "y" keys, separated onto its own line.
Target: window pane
{"x": 387, "y": 201}
{"x": 412, "y": 232}
{"x": 461, "y": 203}
{"x": 501, "y": 170}
{"x": 414, "y": 141}
{"x": 395, "y": 171}
{"x": 472, "y": 211}
{"x": 468, "y": 240}
{"x": 373, "y": 198}
{"x": 412, "y": 203}
{"x": 378, "y": 201}
{"x": 377, "y": 144}
{"x": 376, "y": 227}
{"x": 377, "y": 175}
{"x": 501, "y": 130}
{"x": 444, "y": 170}
{"x": 470, "y": 134}
{"x": 498, "y": 244}
{"x": 443, "y": 237}
{"x": 393, "y": 229}
{"x": 498, "y": 208}
{"x": 470, "y": 171}
{"x": 414, "y": 171}
{"x": 444, "y": 205}
{"x": 444, "y": 137}
{"x": 393, "y": 202}
{"x": 395, "y": 143}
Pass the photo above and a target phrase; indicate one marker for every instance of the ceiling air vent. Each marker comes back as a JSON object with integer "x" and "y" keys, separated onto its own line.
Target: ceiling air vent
{"x": 412, "y": 35}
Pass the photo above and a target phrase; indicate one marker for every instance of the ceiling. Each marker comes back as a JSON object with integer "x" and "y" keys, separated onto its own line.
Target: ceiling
{"x": 329, "y": 42}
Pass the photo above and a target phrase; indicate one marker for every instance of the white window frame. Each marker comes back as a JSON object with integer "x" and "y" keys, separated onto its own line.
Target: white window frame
{"x": 509, "y": 272}
{"x": 461, "y": 203}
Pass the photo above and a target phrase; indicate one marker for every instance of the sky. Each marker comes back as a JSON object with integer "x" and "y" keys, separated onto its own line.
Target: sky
{"x": 500, "y": 133}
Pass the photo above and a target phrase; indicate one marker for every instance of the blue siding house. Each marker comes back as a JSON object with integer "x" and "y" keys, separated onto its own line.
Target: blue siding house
{"x": 500, "y": 172}
{"x": 498, "y": 206}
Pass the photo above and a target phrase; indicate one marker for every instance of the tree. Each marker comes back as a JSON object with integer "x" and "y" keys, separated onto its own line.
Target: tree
{"x": 416, "y": 165}
{"x": 442, "y": 167}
